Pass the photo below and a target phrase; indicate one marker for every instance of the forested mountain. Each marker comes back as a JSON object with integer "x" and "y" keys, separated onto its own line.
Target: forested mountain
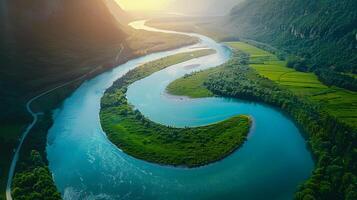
{"x": 45, "y": 42}
{"x": 323, "y": 33}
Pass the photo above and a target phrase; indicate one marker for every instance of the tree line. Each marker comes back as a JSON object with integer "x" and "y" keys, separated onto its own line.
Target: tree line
{"x": 333, "y": 143}
{"x": 33, "y": 179}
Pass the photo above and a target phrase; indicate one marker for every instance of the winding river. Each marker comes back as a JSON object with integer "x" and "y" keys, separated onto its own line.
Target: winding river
{"x": 86, "y": 165}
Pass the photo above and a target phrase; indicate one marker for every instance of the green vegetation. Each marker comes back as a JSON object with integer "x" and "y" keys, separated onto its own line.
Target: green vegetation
{"x": 332, "y": 142}
{"x": 340, "y": 103}
{"x": 191, "y": 85}
{"x": 151, "y": 67}
{"x": 146, "y": 140}
{"x": 35, "y": 182}
{"x": 299, "y": 64}
{"x": 32, "y": 179}
{"x": 322, "y": 33}
{"x": 8, "y": 140}
{"x": 141, "y": 138}
{"x": 348, "y": 81}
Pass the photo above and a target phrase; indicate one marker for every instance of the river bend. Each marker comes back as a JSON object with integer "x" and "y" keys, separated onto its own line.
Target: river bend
{"x": 86, "y": 165}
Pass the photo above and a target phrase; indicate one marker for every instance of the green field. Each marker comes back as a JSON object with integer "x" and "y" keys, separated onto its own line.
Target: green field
{"x": 338, "y": 102}
{"x": 191, "y": 85}
{"x": 144, "y": 139}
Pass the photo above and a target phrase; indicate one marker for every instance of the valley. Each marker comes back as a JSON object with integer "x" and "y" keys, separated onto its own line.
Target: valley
{"x": 54, "y": 61}
{"x": 160, "y": 100}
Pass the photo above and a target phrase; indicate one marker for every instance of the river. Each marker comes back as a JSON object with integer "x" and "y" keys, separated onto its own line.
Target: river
{"x": 86, "y": 165}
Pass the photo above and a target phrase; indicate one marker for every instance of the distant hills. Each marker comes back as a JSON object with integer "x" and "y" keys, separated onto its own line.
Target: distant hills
{"x": 322, "y": 31}
{"x": 122, "y": 17}
{"x": 202, "y": 7}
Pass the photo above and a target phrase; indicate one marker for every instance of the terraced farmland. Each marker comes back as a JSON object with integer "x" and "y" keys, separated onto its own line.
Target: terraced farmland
{"x": 340, "y": 103}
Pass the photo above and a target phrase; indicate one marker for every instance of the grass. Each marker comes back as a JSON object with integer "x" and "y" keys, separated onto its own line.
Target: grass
{"x": 191, "y": 85}
{"x": 338, "y": 102}
{"x": 144, "y": 139}
{"x": 162, "y": 63}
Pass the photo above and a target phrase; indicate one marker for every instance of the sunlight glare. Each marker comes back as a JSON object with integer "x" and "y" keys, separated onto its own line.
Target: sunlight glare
{"x": 143, "y": 4}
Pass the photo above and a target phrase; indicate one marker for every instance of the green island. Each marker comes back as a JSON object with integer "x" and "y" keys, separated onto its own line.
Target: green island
{"x": 327, "y": 115}
{"x": 189, "y": 147}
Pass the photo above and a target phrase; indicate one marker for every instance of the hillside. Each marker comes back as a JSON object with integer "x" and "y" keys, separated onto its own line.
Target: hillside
{"x": 44, "y": 44}
{"x": 120, "y": 15}
{"x": 323, "y": 32}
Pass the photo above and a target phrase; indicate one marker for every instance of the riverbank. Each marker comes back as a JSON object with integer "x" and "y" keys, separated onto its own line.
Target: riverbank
{"x": 192, "y": 85}
{"x": 259, "y": 76}
{"x": 77, "y": 141}
{"x": 151, "y": 42}
{"x": 139, "y": 137}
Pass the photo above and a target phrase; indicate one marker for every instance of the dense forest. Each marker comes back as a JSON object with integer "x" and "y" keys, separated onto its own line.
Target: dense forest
{"x": 322, "y": 32}
{"x": 33, "y": 180}
{"x": 46, "y": 42}
{"x": 332, "y": 143}
{"x": 36, "y": 182}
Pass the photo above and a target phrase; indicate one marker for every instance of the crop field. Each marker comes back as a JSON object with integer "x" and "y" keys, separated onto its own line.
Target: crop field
{"x": 339, "y": 102}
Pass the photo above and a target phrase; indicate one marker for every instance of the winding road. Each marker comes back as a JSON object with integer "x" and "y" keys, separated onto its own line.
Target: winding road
{"x": 35, "y": 119}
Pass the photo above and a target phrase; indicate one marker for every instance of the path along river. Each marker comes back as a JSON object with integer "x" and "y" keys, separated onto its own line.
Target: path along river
{"x": 86, "y": 165}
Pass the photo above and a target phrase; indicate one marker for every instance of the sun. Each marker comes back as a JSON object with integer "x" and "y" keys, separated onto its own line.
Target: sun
{"x": 149, "y": 5}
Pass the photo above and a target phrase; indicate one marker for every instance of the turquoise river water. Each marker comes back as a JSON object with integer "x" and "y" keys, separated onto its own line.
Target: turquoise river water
{"x": 86, "y": 165}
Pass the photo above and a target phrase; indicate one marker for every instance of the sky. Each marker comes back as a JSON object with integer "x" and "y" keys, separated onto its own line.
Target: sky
{"x": 150, "y": 5}
{"x": 194, "y": 7}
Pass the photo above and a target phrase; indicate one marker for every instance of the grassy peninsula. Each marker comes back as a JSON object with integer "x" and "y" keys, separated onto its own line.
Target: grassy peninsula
{"x": 326, "y": 114}
{"x": 191, "y": 85}
{"x": 303, "y": 84}
{"x": 190, "y": 147}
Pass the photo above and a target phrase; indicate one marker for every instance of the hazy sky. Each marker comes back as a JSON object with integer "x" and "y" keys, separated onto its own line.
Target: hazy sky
{"x": 211, "y": 7}
{"x": 143, "y": 4}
